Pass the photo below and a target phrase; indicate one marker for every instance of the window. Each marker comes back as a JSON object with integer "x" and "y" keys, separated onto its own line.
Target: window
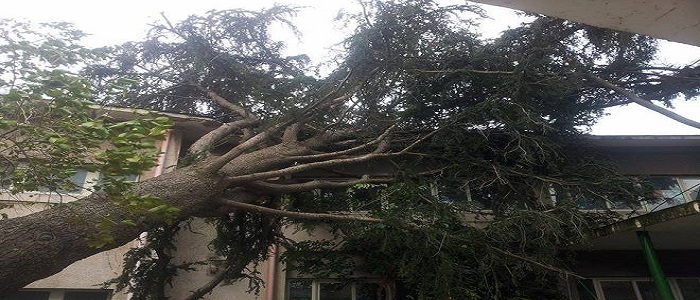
{"x": 673, "y": 191}
{"x": 312, "y": 289}
{"x": 29, "y": 295}
{"x": 76, "y": 183}
{"x": 81, "y": 183}
{"x": 61, "y": 295}
{"x": 463, "y": 193}
{"x": 668, "y": 192}
{"x": 644, "y": 289}
{"x": 689, "y": 287}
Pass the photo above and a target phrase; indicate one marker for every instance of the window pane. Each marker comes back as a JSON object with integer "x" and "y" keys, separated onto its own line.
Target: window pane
{"x": 667, "y": 193}
{"x": 647, "y": 290}
{"x": 690, "y": 288}
{"x": 691, "y": 186}
{"x": 336, "y": 291}
{"x": 74, "y": 184}
{"x": 369, "y": 291}
{"x": 618, "y": 290}
{"x": 87, "y": 295}
{"x": 588, "y": 204}
{"x": 29, "y": 295}
{"x": 586, "y": 290}
{"x": 299, "y": 289}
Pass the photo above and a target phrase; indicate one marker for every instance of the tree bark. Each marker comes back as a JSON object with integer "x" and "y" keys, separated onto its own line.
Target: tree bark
{"x": 44, "y": 243}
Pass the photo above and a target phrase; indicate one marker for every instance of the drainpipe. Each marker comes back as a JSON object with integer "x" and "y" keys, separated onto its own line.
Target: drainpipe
{"x": 660, "y": 280}
{"x": 271, "y": 273}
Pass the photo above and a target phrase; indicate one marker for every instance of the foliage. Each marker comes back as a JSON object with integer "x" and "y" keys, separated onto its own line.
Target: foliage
{"x": 150, "y": 260}
{"x": 228, "y": 51}
{"x": 50, "y": 129}
{"x": 467, "y": 130}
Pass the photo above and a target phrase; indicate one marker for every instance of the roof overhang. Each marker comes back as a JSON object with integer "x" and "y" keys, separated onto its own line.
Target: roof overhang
{"x": 192, "y": 127}
{"x": 674, "y": 228}
{"x": 676, "y": 21}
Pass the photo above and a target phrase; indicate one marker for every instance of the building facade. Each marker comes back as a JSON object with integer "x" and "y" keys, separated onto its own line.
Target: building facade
{"x": 614, "y": 264}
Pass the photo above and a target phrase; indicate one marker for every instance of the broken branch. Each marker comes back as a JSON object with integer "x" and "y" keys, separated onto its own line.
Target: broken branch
{"x": 314, "y": 184}
{"x": 643, "y": 102}
{"x": 298, "y": 215}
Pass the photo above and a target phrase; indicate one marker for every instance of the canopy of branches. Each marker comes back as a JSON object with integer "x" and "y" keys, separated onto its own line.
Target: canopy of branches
{"x": 452, "y": 123}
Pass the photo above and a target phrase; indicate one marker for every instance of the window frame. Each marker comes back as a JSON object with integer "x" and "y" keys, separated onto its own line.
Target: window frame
{"x": 91, "y": 180}
{"x": 675, "y": 289}
{"x": 648, "y": 206}
{"x": 316, "y": 286}
{"x": 60, "y": 294}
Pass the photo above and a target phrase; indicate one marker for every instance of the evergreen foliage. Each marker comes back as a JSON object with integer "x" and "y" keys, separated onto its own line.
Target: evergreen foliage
{"x": 476, "y": 191}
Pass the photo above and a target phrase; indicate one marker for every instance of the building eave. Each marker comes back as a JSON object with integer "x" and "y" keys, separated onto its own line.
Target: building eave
{"x": 670, "y": 20}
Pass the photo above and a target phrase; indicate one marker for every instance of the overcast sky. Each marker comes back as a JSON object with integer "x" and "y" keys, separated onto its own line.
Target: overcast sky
{"x": 112, "y": 22}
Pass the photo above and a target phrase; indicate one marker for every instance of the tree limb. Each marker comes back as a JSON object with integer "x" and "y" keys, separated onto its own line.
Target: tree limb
{"x": 291, "y": 134}
{"x": 323, "y": 156}
{"x": 212, "y": 137}
{"x": 465, "y": 71}
{"x": 235, "y": 108}
{"x": 645, "y": 103}
{"x": 305, "y": 167}
{"x": 314, "y": 184}
{"x": 297, "y": 215}
{"x": 535, "y": 262}
{"x": 221, "y": 161}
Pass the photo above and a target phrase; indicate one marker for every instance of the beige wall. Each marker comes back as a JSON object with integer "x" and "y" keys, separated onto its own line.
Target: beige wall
{"x": 192, "y": 246}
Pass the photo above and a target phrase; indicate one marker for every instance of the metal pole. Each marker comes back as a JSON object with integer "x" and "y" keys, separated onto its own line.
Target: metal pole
{"x": 660, "y": 280}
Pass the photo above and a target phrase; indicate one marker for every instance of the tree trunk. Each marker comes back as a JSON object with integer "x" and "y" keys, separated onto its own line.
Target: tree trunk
{"x": 44, "y": 243}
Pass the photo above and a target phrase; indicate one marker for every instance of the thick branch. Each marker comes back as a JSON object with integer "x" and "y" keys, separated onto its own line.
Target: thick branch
{"x": 314, "y": 184}
{"x": 235, "y": 108}
{"x": 536, "y": 263}
{"x": 210, "y": 139}
{"x": 466, "y": 71}
{"x": 298, "y": 215}
{"x": 305, "y": 167}
{"x": 330, "y": 155}
{"x": 645, "y": 103}
{"x": 291, "y": 134}
{"x": 221, "y": 161}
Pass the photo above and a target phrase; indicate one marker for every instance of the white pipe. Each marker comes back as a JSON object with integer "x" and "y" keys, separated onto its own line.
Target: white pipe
{"x": 271, "y": 275}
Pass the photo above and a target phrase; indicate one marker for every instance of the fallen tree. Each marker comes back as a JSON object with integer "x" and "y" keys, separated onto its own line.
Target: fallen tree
{"x": 414, "y": 87}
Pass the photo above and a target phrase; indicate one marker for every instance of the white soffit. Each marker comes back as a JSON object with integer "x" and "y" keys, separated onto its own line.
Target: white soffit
{"x": 673, "y": 20}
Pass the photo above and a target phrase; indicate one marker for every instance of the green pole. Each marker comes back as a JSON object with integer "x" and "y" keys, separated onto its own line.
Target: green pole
{"x": 655, "y": 271}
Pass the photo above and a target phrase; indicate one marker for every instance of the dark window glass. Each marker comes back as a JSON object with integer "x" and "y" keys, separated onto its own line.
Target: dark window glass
{"x": 335, "y": 291}
{"x": 368, "y": 291}
{"x": 618, "y": 290}
{"x": 588, "y": 204}
{"x": 690, "y": 288}
{"x": 299, "y": 289}
{"x": 586, "y": 290}
{"x": 29, "y": 295}
{"x": 87, "y": 295}
{"x": 647, "y": 290}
